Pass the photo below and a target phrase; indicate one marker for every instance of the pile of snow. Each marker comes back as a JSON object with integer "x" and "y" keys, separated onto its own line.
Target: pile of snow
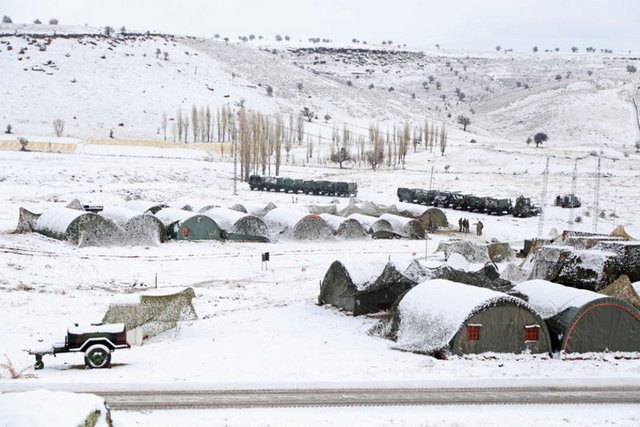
{"x": 54, "y": 409}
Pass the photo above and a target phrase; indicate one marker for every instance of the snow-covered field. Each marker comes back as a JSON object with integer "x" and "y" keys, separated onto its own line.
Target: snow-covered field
{"x": 260, "y": 328}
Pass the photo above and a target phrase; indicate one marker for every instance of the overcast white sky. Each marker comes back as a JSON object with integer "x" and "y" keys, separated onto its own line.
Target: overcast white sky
{"x": 471, "y": 24}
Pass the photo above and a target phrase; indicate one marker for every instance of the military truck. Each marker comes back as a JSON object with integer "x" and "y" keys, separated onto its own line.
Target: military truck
{"x": 457, "y": 201}
{"x": 476, "y": 203}
{"x": 442, "y": 199}
{"x": 498, "y": 206}
{"x": 425, "y": 196}
{"x": 254, "y": 182}
{"x": 568, "y": 201}
{"x": 97, "y": 342}
{"x": 524, "y": 208}
{"x": 405, "y": 194}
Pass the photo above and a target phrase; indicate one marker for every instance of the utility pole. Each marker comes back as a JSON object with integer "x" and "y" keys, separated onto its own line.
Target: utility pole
{"x": 235, "y": 161}
{"x": 431, "y": 179}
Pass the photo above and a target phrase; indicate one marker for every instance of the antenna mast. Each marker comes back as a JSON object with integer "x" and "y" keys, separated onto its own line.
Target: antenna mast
{"x": 596, "y": 199}
{"x": 574, "y": 184}
{"x": 543, "y": 197}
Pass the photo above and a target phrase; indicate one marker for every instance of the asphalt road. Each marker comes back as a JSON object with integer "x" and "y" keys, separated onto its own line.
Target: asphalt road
{"x": 211, "y": 399}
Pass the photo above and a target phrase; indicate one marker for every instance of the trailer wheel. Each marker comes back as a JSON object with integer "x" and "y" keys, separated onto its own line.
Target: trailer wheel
{"x": 97, "y": 356}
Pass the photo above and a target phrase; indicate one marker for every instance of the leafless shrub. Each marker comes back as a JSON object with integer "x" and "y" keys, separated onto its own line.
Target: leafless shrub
{"x": 58, "y": 127}
{"x": 23, "y": 143}
{"x": 13, "y": 372}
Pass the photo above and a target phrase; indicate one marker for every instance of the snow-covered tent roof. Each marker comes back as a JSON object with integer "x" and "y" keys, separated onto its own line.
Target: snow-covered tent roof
{"x": 348, "y": 228}
{"x": 583, "y": 321}
{"x": 406, "y": 227}
{"x": 139, "y": 228}
{"x": 432, "y": 316}
{"x": 367, "y": 208}
{"x": 170, "y": 215}
{"x": 79, "y": 227}
{"x": 550, "y": 298}
{"x": 470, "y": 251}
{"x": 411, "y": 210}
{"x": 238, "y": 222}
{"x": 144, "y": 206}
{"x": 371, "y": 223}
{"x": 299, "y": 224}
{"x": 327, "y": 209}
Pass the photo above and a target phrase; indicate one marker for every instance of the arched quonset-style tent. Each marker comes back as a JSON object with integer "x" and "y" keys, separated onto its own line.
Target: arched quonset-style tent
{"x": 371, "y": 223}
{"x": 256, "y": 209}
{"x": 185, "y": 225}
{"x": 144, "y": 206}
{"x": 147, "y": 315}
{"x": 442, "y": 316}
{"x": 406, "y": 227}
{"x": 363, "y": 287}
{"x": 79, "y": 227}
{"x": 238, "y": 225}
{"x": 582, "y": 321}
{"x": 347, "y": 228}
{"x": 297, "y": 224}
{"x": 433, "y": 218}
{"x": 139, "y": 228}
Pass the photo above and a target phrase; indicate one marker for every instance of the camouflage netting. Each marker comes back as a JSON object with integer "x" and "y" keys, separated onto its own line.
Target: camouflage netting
{"x": 26, "y": 221}
{"x": 342, "y": 288}
{"x": 622, "y": 289}
{"x": 367, "y": 208}
{"x": 257, "y": 209}
{"x": 78, "y": 227}
{"x": 138, "y": 228}
{"x": 591, "y": 269}
{"x": 500, "y": 252}
{"x": 433, "y": 217}
{"x": 318, "y": 210}
{"x": 487, "y": 277}
{"x": 154, "y": 313}
{"x": 470, "y": 251}
{"x": 406, "y": 227}
{"x": 346, "y": 228}
{"x": 239, "y": 223}
{"x": 382, "y": 225}
{"x": 311, "y": 227}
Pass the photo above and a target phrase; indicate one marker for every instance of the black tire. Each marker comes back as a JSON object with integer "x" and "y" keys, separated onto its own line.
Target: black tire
{"x": 97, "y": 356}
{"x": 39, "y": 365}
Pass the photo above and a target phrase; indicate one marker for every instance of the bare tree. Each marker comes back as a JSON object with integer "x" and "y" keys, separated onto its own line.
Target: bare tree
{"x": 278, "y": 134}
{"x": 23, "y": 143}
{"x": 464, "y": 121}
{"x": 341, "y": 156}
{"x": 443, "y": 139}
{"x": 179, "y": 123}
{"x": 58, "y": 127}
{"x": 194, "y": 123}
{"x": 300, "y": 128}
{"x": 185, "y": 127}
{"x": 539, "y": 138}
{"x": 163, "y": 123}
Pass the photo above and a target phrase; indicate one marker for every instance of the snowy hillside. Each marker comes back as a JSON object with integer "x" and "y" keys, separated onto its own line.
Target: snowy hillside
{"x": 126, "y": 82}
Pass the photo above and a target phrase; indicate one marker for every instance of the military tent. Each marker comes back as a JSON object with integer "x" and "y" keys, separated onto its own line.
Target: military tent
{"x": 185, "y": 225}
{"x": 439, "y": 316}
{"x": 139, "y": 228}
{"x": 144, "y": 206}
{"x": 238, "y": 225}
{"x": 146, "y": 315}
{"x": 371, "y": 223}
{"x": 582, "y": 321}
{"x": 26, "y": 221}
{"x": 362, "y": 287}
{"x": 500, "y": 252}
{"x": 470, "y": 251}
{"x": 328, "y": 209}
{"x": 406, "y": 227}
{"x": 433, "y": 218}
{"x": 78, "y": 227}
{"x": 297, "y": 224}
{"x": 367, "y": 208}
{"x": 347, "y": 228}
{"x": 256, "y": 209}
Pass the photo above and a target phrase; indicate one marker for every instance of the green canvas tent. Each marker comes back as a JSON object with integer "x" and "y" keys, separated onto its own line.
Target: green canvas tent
{"x": 185, "y": 225}
{"x": 582, "y": 321}
{"x": 440, "y": 316}
{"x": 238, "y": 225}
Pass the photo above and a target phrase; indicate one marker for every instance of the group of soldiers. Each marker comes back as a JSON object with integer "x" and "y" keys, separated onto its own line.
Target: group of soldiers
{"x": 463, "y": 223}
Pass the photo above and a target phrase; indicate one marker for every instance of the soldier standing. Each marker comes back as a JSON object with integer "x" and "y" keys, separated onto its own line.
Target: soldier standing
{"x": 460, "y": 224}
{"x": 479, "y": 228}
{"x": 465, "y": 225}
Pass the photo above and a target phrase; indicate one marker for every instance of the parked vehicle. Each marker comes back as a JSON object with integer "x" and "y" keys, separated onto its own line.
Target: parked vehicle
{"x": 97, "y": 342}
{"x": 568, "y": 201}
{"x": 288, "y": 185}
{"x": 498, "y": 206}
{"x": 524, "y": 208}
{"x": 476, "y": 204}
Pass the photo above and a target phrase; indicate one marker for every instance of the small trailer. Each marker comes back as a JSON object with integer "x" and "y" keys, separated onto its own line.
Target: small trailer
{"x": 97, "y": 342}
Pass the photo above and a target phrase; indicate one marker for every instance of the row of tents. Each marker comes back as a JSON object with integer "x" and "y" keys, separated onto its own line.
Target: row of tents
{"x": 139, "y": 222}
{"x": 444, "y": 310}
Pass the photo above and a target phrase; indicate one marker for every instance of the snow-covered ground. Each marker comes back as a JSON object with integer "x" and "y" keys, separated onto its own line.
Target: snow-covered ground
{"x": 263, "y": 328}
